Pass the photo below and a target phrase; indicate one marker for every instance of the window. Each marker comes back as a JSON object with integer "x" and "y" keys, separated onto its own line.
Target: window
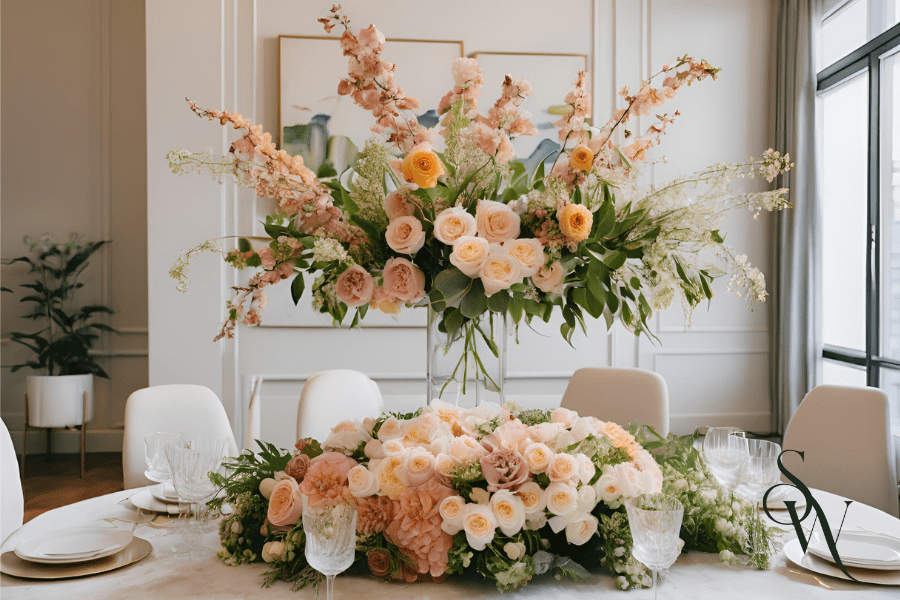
{"x": 859, "y": 115}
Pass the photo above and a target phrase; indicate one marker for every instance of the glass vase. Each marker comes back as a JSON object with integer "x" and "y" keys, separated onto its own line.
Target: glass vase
{"x": 473, "y": 359}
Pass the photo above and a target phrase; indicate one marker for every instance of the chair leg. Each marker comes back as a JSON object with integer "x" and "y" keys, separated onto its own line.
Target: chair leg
{"x": 83, "y": 430}
{"x": 25, "y": 437}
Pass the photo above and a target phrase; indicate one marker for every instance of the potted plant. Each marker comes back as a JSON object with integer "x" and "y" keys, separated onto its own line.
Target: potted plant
{"x": 61, "y": 347}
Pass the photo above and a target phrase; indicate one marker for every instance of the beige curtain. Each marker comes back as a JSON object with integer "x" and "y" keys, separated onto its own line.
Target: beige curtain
{"x": 796, "y": 345}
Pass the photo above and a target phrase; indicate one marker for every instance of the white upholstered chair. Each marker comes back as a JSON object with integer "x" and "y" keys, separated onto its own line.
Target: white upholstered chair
{"x": 330, "y": 397}
{"x": 845, "y": 435}
{"x": 620, "y": 395}
{"x": 12, "y": 505}
{"x": 192, "y": 410}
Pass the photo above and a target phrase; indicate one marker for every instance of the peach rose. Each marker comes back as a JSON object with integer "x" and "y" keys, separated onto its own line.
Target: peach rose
{"x": 362, "y": 482}
{"x": 419, "y": 467}
{"x": 562, "y": 467}
{"x": 499, "y": 271}
{"x": 405, "y": 235}
{"x": 479, "y": 524}
{"x": 452, "y": 510}
{"x": 528, "y": 252}
{"x": 383, "y": 302}
{"x": 562, "y": 498}
{"x": 398, "y": 204}
{"x": 575, "y": 221}
{"x": 578, "y": 532}
{"x": 537, "y": 456}
{"x": 297, "y": 466}
{"x": 550, "y": 281}
{"x": 467, "y": 449}
{"x": 403, "y": 280}
{"x": 496, "y": 221}
{"x": 355, "y": 286}
{"x": 454, "y": 223}
{"x": 422, "y": 166}
{"x": 469, "y": 254}
{"x": 532, "y": 495}
{"x": 509, "y": 511}
{"x": 581, "y": 158}
{"x": 286, "y": 504}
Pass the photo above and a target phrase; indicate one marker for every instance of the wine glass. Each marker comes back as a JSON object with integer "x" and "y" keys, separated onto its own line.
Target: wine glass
{"x": 155, "y": 456}
{"x": 330, "y": 539}
{"x": 726, "y": 454}
{"x": 760, "y": 475}
{"x": 655, "y": 523}
{"x": 190, "y": 462}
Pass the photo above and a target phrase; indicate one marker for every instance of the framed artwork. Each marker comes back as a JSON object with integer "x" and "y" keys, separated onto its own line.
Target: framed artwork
{"x": 325, "y": 128}
{"x": 551, "y": 77}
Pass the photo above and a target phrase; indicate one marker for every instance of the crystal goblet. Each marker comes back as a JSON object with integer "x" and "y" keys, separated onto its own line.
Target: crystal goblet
{"x": 655, "y": 523}
{"x": 191, "y": 461}
{"x": 155, "y": 456}
{"x": 726, "y": 454}
{"x": 330, "y": 539}
{"x": 760, "y": 475}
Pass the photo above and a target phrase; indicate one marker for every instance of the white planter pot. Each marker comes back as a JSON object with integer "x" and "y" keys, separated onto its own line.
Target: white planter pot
{"x": 58, "y": 400}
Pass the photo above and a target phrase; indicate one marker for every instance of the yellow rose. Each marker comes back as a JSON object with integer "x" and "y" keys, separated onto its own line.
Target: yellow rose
{"x": 581, "y": 158}
{"x": 575, "y": 221}
{"x": 422, "y": 166}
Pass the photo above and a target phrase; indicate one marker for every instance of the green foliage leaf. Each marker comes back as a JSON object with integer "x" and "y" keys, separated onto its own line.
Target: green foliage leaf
{"x": 297, "y": 287}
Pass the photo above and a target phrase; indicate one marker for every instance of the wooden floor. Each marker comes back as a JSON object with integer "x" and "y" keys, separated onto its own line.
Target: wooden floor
{"x": 53, "y": 480}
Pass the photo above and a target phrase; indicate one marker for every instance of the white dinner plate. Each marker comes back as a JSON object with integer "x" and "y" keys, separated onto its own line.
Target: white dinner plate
{"x": 77, "y": 544}
{"x": 860, "y": 549}
{"x": 794, "y": 553}
{"x": 777, "y": 498}
{"x": 144, "y": 499}
{"x": 164, "y": 492}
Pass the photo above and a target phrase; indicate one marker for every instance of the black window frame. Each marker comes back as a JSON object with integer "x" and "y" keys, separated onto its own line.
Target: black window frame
{"x": 867, "y": 58}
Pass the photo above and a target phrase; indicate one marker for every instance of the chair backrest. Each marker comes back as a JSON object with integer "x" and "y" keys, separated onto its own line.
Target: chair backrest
{"x": 620, "y": 395}
{"x": 330, "y": 397}
{"x": 845, "y": 435}
{"x": 192, "y": 410}
{"x": 12, "y": 504}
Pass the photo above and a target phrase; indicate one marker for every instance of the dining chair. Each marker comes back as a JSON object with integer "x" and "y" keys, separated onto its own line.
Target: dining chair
{"x": 12, "y": 502}
{"x": 845, "y": 436}
{"x": 192, "y": 410}
{"x": 330, "y": 397}
{"x": 621, "y": 395}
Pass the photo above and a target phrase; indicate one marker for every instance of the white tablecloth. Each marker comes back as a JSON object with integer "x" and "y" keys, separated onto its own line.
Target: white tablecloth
{"x": 167, "y": 576}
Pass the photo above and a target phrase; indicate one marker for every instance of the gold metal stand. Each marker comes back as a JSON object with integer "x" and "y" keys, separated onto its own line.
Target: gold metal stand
{"x": 27, "y": 426}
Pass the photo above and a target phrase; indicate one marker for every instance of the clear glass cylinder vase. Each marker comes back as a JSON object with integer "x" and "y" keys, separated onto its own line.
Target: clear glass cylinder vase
{"x": 471, "y": 360}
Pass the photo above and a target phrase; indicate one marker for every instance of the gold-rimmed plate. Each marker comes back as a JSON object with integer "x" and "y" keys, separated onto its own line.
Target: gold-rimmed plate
{"x": 10, "y": 564}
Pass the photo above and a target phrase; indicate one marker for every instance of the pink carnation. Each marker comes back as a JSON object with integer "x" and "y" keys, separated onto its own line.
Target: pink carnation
{"x": 326, "y": 478}
{"x": 416, "y": 527}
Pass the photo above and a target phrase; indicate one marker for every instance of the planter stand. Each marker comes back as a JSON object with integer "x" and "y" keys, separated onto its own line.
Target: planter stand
{"x": 49, "y": 431}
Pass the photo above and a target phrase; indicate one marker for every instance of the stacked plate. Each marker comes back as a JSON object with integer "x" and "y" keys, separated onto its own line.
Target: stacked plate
{"x": 160, "y": 498}
{"x": 78, "y": 544}
{"x": 861, "y": 550}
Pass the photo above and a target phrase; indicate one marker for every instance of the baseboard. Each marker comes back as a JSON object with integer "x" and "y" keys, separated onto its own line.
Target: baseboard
{"x": 66, "y": 441}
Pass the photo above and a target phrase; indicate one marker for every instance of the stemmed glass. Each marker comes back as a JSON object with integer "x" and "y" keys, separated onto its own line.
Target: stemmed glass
{"x": 760, "y": 475}
{"x": 330, "y": 539}
{"x": 726, "y": 453}
{"x": 155, "y": 456}
{"x": 190, "y": 462}
{"x": 655, "y": 523}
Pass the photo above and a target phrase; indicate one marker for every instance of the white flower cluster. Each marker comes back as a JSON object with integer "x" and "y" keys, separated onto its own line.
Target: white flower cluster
{"x": 328, "y": 249}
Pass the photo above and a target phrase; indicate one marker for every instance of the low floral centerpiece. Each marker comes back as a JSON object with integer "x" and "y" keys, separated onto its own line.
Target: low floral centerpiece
{"x": 448, "y": 218}
{"x": 492, "y": 491}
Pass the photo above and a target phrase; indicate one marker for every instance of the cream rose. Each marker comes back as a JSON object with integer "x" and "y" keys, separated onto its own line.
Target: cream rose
{"x": 499, "y": 271}
{"x": 587, "y": 499}
{"x": 419, "y": 467}
{"x": 509, "y": 511}
{"x": 286, "y": 503}
{"x": 452, "y": 510}
{"x": 528, "y": 252}
{"x": 346, "y": 435}
{"x": 354, "y": 286}
{"x": 581, "y": 429}
{"x": 586, "y": 468}
{"x": 266, "y": 486}
{"x": 393, "y": 447}
{"x": 469, "y": 254}
{"x": 550, "y": 281}
{"x": 564, "y": 415}
{"x": 562, "y": 467}
{"x": 532, "y": 496}
{"x": 445, "y": 463}
{"x": 562, "y": 498}
{"x": 389, "y": 430}
{"x": 362, "y": 482}
{"x": 607, "y": 488}
{"x": 479, "y": 524}
{"x": 273, "y": 550}
{"x": 467, "y": 449}
{"x": 496, "y": 221}
{"x": 374, "y": 449}
{"x": 405, "y": 235}
{"x": 580, "y": 531}
{"x": 454, "y": 223}
{"x": 403, "y": 280}
{"x": 630, "y": 480}
{"x": 537, "y": 456}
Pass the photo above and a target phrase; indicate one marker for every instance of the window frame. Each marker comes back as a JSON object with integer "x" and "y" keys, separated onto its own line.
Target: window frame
{"x": 868, "y": 58}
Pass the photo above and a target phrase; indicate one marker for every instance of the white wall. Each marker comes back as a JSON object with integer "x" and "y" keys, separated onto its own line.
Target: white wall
{"x": 74, "y": 159}
{"x": 233, "y": 50}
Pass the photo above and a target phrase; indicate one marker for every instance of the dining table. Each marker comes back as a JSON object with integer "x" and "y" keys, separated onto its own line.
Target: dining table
{"x": 170, "y": 572}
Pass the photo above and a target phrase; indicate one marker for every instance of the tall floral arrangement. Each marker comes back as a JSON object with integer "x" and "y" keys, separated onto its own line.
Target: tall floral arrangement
{"x": 471, "y": 230}
{"x": 495, "y": 491}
